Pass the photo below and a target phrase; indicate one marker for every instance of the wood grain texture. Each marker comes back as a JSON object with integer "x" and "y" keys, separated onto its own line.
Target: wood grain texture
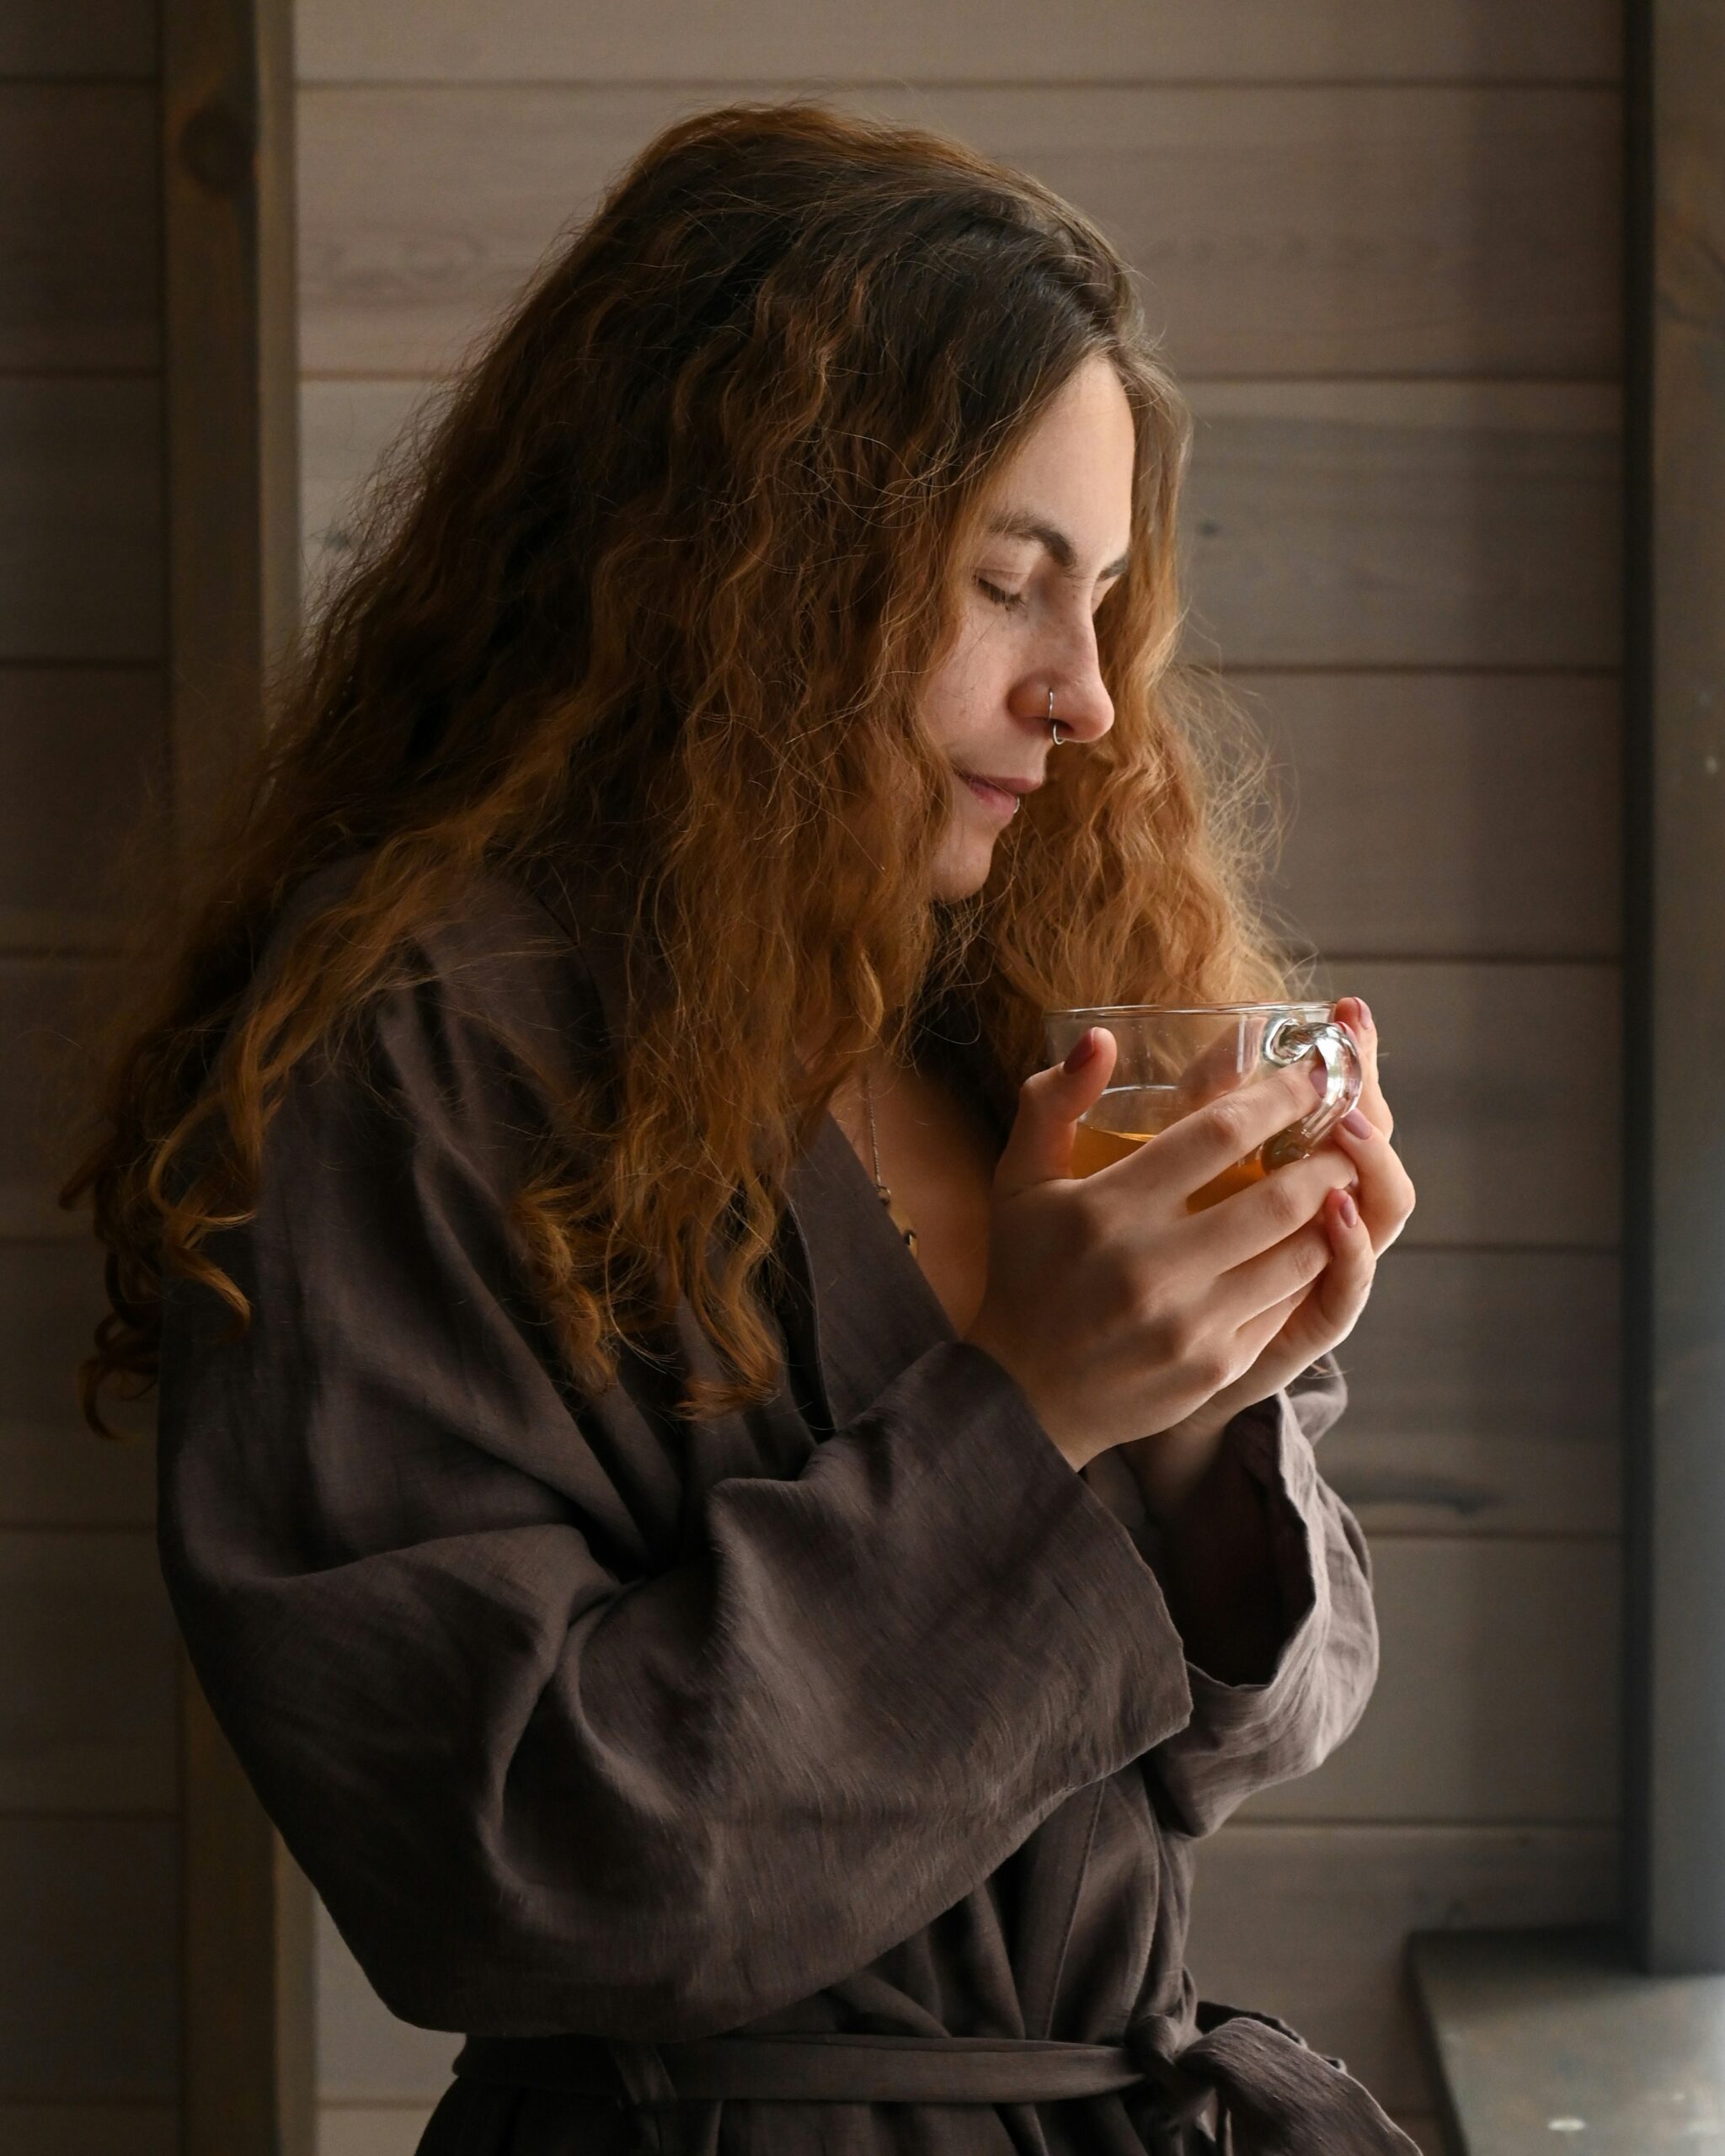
{"x": 89, "y": 1981}
{"x": 1504, "y": 1082}
{"x": 90, "y": 2130}
{"x": 81, "y": 532}
{"x": 1419, "y": 524}
{"x": 370, "y": 2129}
{"x": 788, "y": 40}
{"x": 1497, "y": 1697}
{"x": 1677, "y": 1170}
{"x": 1274, "y": 231}
{"x": 87, "y": 1674}
{"x": 347, "y": 429}
{"x": 1329, "y": 525}
{"x": 83, "y": 757}
{"x": 80, "y": 228}
{"x": 366, "y": 2055}
{"x": 106, "y": 38}
{"x": 1485, "y": 1396}
{"x": 231, "y": 452}
{"x": 55, "y": 1471}
{"x": 247, "y": 2049}
{"x": 50, "y": 1012}
{"x": 1446, "y": 815}
{"x": 1308, "y": 1922}
{"x": 230, "y": 407}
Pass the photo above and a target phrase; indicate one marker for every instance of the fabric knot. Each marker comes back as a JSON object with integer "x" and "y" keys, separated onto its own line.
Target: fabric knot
{"x": 1281, "y": 2098}
{"x": 1186, "y": 2097}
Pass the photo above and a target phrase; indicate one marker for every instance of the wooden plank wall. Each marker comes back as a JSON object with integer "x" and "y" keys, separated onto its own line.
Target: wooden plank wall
{"x": 88, "y": 1799}
{"x": 1383, "y": 243}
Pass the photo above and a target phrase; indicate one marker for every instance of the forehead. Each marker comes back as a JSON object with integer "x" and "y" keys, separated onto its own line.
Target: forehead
{"x": 1068, "y": 485}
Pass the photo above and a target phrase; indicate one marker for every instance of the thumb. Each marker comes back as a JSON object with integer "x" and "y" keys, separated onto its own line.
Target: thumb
{"x": 1050, "y": 1102}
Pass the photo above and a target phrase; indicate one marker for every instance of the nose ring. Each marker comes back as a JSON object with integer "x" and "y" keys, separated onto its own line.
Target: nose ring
{"x": 1053, "y": 724}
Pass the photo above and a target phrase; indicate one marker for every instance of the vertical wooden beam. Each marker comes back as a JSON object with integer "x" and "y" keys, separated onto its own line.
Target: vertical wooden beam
{"x": 233, "y": 485}
{"x": 233, "y": 429}
{"x": 1674, "y": 1011}
{"x": 1637, "y": 1010}
{"x": 247, "y": 2053}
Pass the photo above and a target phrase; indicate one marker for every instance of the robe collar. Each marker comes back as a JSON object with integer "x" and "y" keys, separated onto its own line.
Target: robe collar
{"x": 872, "y": 1310}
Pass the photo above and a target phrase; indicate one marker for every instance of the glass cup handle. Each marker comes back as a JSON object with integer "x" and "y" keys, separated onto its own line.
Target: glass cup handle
{"x": 1287, "y": 1040}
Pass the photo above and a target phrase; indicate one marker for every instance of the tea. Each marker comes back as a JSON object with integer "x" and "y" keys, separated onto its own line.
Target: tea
{"x": 1172, "y": 1059}
{"x": 1127, "y": 1117}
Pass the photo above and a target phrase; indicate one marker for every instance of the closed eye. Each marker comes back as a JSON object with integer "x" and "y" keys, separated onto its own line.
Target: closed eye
{"x": 1006, "y": 599}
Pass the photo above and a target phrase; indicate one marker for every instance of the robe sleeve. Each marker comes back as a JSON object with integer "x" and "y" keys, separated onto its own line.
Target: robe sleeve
{"x": 560, "y": 1746}
{"x": 1245, "y": 1737}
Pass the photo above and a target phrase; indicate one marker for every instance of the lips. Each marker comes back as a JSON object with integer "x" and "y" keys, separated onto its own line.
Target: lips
{"x": 1000, "y": 795}
{"x": 1004, "y": 785}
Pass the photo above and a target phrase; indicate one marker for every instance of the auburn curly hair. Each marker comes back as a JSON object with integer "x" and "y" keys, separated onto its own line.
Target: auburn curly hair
{"x": 652, "y": 581}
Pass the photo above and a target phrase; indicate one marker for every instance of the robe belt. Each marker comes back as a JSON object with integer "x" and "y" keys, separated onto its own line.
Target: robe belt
{"x": 818, "y": 2065}
{"x": 1281, "y": 2098}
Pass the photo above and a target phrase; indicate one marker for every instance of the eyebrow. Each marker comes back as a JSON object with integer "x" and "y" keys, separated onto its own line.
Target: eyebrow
{"x": 1017, "y": 524}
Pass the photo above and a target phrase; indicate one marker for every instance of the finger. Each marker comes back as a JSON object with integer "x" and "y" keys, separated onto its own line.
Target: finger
{"x": 1326, "y": 1313}
{"x": 1276, "y": 1277}
{"x": 1039, "y": 1146}
{"x": 1195, "y": 1149}
{"x": 1256, "y": 1218}
{"x": 1263, "y": 1330}
{"x": 1385, "y": 1195}
{"x": 1256, "y": 1335}
{"x": 1328, "y": 1308}
{"x": 1325, "y": 1310}
{"x": 1341, "y": 1293}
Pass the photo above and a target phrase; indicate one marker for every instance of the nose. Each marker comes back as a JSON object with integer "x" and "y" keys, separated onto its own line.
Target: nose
{"x": 1083, "y": 707}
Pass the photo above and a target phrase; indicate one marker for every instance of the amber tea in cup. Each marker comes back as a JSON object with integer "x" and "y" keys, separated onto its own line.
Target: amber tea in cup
{"x": 1173, "y": 1060}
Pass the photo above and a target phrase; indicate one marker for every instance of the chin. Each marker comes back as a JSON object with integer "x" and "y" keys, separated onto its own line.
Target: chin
{"x": 962, "y": 874}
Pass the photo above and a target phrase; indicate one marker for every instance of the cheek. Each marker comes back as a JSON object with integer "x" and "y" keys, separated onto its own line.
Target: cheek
{"x": 962, "y": 693}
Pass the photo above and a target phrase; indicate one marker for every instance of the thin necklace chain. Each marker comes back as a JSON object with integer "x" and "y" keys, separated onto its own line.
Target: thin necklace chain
{"x": 900, "y": 1219}
{"x": 873, "y": 1143}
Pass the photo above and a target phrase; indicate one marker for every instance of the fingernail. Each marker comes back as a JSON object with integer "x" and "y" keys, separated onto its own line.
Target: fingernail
{"x": 1365, "y": 1017}
{"x": 1347, "y": 1209}
{"x": 1082, "y": 1051}
{"x": 1361, "y": 1126}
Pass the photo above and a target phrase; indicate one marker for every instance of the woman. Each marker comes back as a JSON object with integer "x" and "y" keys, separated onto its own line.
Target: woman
{"x": 763, "y": 1678}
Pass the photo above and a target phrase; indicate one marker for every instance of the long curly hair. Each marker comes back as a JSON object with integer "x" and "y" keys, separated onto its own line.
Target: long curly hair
{"x": 652, "y": 581}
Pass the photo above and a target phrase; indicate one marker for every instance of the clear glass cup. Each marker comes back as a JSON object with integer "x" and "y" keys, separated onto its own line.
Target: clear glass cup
{"x": 1172, "y": 1060}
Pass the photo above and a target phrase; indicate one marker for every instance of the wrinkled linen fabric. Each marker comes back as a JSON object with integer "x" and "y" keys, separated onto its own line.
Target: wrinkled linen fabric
{"x": 858, "y": 1715}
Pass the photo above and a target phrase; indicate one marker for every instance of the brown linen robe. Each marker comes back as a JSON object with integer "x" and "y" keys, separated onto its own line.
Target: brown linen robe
{"x": 856, "y": 1723}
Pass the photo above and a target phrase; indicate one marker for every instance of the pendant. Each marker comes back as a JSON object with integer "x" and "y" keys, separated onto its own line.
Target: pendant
{"x": 897, "y": 1217}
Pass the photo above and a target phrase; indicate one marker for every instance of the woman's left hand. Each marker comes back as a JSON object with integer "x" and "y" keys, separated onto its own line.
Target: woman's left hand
{"x": 1320, "y": 1316}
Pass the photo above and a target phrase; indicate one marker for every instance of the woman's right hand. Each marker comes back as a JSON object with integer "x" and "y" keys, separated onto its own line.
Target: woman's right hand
{"x": 1118, "y": 1311}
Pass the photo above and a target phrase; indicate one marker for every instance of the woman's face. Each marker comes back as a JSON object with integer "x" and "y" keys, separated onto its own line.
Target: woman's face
{"x": 1057, "y": 521}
